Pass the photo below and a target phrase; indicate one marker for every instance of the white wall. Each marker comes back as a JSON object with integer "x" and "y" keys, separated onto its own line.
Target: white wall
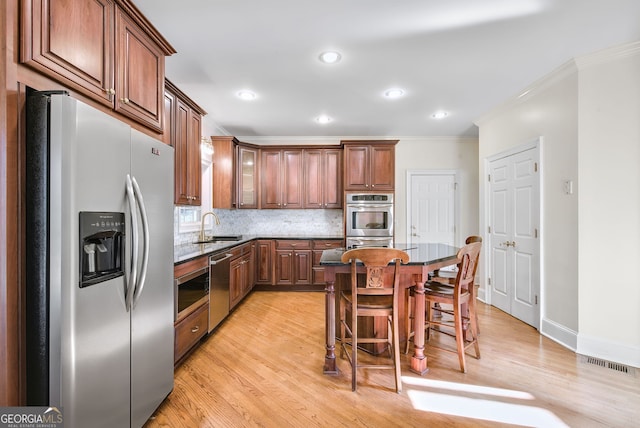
{"x": 551, "y": 112}
{"x": 439, "y": 153}
{"x": 588, "y": 118}
{"x": 609, "y": 204}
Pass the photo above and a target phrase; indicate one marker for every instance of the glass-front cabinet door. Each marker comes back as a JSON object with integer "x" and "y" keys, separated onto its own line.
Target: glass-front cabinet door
{"x": 247, "y": 177}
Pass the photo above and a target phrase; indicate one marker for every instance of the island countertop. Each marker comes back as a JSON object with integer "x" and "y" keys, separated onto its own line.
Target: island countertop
{"x": 420, "y": 254}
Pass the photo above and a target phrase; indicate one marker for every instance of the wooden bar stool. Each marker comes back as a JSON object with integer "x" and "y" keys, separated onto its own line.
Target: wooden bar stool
{"x": 461, "y": 294}
{"x": 378, "y": 297}
{"x": 449, "y": 278}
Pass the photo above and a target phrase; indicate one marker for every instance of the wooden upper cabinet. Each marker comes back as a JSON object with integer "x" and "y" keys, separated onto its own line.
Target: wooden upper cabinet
{"x": 292, "y": 179}
{"x": 383, "y": 170}
{"x": 247, "y": 189}
{"x": 281, "y": 178}
{"x": 194, "y": 171}
{"x": 270, "y": 176}
{"x": 235, "y": 173}
{"x": 139, "y": 75}
{"x": 73, "y": 39}
{"x": 313, "y": 186}
{"x": 369, "y": 165}
{"x": 103, "y": 49}
{"x": 188, "y": 168}
{"x": 322, "y": 178}
{"x": 185, "y": 132}
{"x": 223, "y": 183}
{"x": 168, "y": 136}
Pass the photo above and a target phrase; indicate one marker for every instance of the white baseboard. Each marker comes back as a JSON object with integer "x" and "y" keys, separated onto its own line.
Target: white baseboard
{"x": 482, "y": 294}
{"x": 584, "y": 344}
{"x": 559, "y": 333}
{"x": 608, "y": 350}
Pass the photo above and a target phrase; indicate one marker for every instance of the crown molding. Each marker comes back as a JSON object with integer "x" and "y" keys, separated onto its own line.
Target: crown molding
{"x": 608, "y": 55}
{"x": 569, "y": 68}
{"x": 561, "y": 73}
{"x": 328, "y": 141}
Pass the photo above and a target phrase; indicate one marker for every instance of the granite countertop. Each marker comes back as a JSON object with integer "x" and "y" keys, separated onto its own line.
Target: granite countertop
{"x": 185, "y": 252}
{"x": 419, "y": 254}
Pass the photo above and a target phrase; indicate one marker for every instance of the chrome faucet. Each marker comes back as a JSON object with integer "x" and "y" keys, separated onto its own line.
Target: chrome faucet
{"x": 204, "y": 216}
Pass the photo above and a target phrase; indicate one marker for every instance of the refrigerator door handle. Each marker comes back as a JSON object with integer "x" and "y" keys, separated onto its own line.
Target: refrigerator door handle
{"x": 134, "y": 244}
{"x": 145, "y": 236}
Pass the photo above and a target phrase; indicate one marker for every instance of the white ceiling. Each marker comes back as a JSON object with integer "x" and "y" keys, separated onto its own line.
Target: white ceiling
{"x": 462, "y": 56}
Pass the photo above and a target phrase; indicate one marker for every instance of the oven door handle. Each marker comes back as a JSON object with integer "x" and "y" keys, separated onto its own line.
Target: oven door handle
{"x": 369, "y": 206}
{"x": 214, "y": 262}
{"x": 189, "y": 276}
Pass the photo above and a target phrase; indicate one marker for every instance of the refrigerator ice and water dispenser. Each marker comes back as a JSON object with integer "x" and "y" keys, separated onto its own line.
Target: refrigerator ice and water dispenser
{"x": 101, "y": 246}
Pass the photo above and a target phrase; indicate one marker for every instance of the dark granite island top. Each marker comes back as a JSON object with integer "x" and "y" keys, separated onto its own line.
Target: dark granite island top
{"x": 420, "y": 254}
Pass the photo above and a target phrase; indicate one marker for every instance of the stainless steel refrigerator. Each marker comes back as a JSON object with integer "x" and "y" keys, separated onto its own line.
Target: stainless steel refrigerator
{"x": 99, "y": 251}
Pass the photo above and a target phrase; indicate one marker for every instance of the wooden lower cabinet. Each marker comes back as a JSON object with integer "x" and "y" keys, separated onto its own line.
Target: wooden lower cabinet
{"x": 264, "y": 262}
{"x": 241, "y": 274}
{"x": 293, "y": 262}
{"x": 190, "y": 330}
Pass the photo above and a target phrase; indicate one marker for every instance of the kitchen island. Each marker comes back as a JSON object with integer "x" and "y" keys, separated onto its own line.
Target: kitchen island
{"x": 424, "y": 258}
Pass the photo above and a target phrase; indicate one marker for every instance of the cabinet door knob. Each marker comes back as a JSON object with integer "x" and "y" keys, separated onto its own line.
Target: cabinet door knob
{"x": 125, "y": 100}
{"x": 110, "y": 91}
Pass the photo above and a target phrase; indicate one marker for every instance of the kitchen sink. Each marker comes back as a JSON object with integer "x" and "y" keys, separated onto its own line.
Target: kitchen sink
{"x": 220, "y": 238}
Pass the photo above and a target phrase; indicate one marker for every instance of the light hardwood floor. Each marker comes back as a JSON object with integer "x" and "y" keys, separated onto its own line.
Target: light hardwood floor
{"x": 263, "y": 367}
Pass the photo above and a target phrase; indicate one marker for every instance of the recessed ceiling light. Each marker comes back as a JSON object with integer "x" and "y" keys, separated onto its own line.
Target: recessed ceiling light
{"x": 246, "y": 95}
{"x": 394, "y": 93}
{"x": 323, "y": 119}
{"x": 330, "y": 57}
{"x": 440, "y": 115}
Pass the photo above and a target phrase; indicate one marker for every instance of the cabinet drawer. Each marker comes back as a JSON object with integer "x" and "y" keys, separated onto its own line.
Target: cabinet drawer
{"x": 293, "y": 244}
{"x": 326, "y": 244}
{"x": 240, "y": 250}
{"x": 185, "y": 268}
{"x": 190, "y": 330}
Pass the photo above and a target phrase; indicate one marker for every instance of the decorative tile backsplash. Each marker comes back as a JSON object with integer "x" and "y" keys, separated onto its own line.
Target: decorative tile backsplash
{"x": 317, "y": 223}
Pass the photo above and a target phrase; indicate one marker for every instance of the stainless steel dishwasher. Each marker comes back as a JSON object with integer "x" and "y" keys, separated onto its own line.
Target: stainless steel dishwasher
{"x": 218, "y": 288}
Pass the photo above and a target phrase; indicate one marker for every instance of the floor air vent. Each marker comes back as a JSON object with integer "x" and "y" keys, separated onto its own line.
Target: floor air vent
{"x": 622, "y": 368}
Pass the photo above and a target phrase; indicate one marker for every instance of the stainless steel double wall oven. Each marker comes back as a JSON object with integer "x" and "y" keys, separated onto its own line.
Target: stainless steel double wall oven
{"x": 369, "y": 220}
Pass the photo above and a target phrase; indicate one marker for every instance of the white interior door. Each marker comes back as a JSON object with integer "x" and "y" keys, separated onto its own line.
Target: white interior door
{"x": 432, "y": 207}
{"x": 514, "y": 218}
